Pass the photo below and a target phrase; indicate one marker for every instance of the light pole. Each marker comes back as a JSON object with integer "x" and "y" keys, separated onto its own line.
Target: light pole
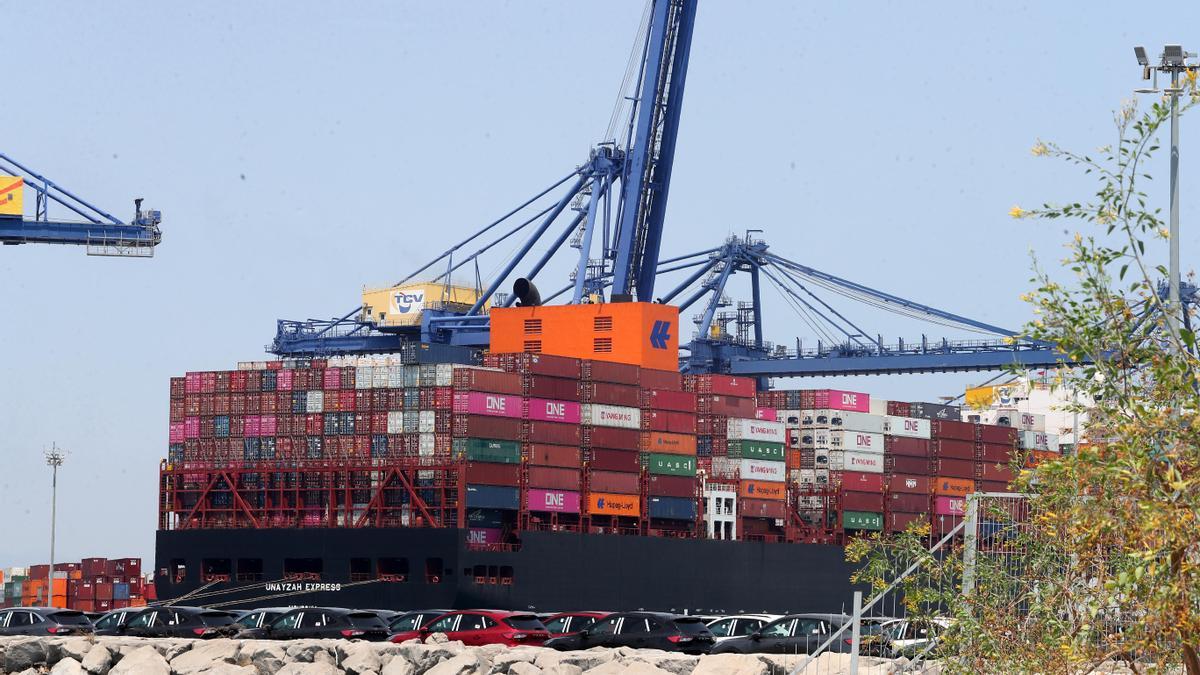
{"x": 54, "y": 459}
{"x": 1174, "y": 62}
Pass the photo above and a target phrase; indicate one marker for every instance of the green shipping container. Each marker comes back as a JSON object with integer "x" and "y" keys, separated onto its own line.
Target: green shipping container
{"x": 670, "y": 465}
{"x": 487, "y": 450}
{"x": 756, "y": 450}
{"x": 862, "y": 520}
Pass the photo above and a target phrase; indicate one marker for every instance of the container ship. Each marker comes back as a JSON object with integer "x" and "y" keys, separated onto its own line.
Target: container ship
{"x": 595, "y": 477}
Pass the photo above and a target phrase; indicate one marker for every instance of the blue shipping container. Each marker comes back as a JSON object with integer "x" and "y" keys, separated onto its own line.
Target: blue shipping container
{"x": 120, "y": 591}
{"x": 674, "y": 508}
{"x": 493, "y": 497}
{"x": 493, "y": 518}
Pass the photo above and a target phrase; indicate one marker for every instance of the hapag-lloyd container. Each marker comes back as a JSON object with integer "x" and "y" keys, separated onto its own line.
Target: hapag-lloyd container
{"x": 759, "y": 489}
{"x": 861, "y": 461}
{"x": 485, "y": 403}
{"x": 842, "y": 419}
{"x": 952, "y": 487}
{"x": 622, "y": 417}
{"x": 836, "y": 399}
{"x": 949, "y": 506}
{"x": 755, "y": 430}
{"x": 549, "y": 410}
{"x": 910, "y": 427}
{"x": 858, "y": 441}
{"x": 610, "y": 504}
{"x": 757, "y": 469}
{"x": 677, "y": 444}
{"x": 558, "y": 501}
{"x": 485, "y": 535}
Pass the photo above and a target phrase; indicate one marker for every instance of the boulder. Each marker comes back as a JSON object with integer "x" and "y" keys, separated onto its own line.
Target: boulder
{"x": 315, "y": 668}
{"x": 174, "y": 647}
{"x": 523, "y": 668}
{"x": 466, "y": 663}
{"x": 72, "y": 647}
{"x": 676, "y": 664}
{"x": 24, "y": 653}
{"x": 731, "y": 664}
{"x": 359, "y": 658}
{"x": 30, "y": 671}
{"x": 437, "y": 638}
{"x": 589, "y": 659}
{"x": 67, "y": 666}
{"x": 304, "y": 651}
{"x": 563, "y": 669}
{"x": 98, "y": 660}
{"x": 267, "y": 658}
{"x": 398, "y": 666}
{"x": 505, "y": 660}
{"x": 203, "y": 656}
{"x": 223, "y": 668}
{"x": 142, "y": 661}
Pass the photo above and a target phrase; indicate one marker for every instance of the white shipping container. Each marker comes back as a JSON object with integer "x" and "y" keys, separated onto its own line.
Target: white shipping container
{"x": 395, "y": 423}
{"x": 739, "y": 429}
{"x": 1038, "y": 440}
{"x": 427, "y": 422}
{"x": 910, "y": 427}
{"x": 444, "y": 376}
{"x": 865, "y": 462}
{"x": 758, "y": 469}
{"x": 314, "y": 402}
{"x": 791, "y": 418}
{"x": 395, "y": 377}
{"x": 379, "y": 376}
{"x": 622, "y": 417}
{"x": 1030, "y": 421}
{"x": 822, "y": 458}
{"x": 850, "y": 421}
{"x": 878, "y": 406}
{"x": 725, "y": 468}
{"x": 860, "y": 441}
{"x": 412, "y": 421}
{"x": 363, "y": 376}
{"x": 426, "y": 445}
{"x": 803, "y": 476}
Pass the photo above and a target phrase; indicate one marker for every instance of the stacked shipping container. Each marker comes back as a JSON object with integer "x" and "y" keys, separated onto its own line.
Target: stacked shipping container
{"x": 91, "y": 585}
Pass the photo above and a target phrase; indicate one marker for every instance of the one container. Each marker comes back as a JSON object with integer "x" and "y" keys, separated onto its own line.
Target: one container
{"x": 622, "y": 417}
{"x": 858, "y": 441}
{"x": 552, "y": 410}
{"x": 843, "y": 419}
{"x": 837, "y": 399}
{"x": 557, "y": 501}
{"x": 614, "y": 504}
{"x": 485, "y": 403}
{"x": 949, "y": 506}
{"x": 910, "y": 427}
{"x": 1038, "y": 440}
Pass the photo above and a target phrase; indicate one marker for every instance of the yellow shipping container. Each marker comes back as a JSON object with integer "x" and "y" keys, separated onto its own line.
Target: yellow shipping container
{"x": 12, "y": 192}
{"x": 404, "y": 305}
{"x": 983, "y": 397}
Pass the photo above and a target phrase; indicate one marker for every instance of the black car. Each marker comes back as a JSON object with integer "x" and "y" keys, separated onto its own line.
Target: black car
{"x": 257, "y": 618}
{"x": 115, "y": 622}
{"x": 43, "y": 621}
{"x": 386, "y": 614}
{"x": 322, "y": 622}
{"x": 792, "y": 634}
{"x": 186, "y": 622}
{"x": 651, "y": 630}
{"x": 410, "y": 621}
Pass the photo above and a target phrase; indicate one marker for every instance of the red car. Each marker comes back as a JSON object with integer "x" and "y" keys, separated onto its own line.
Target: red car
{"x": 483, "y": 627}
{"x": 570, "y": 623}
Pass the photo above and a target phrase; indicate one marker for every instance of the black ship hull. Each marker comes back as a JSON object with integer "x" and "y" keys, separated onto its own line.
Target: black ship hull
{"x": 551, "y": 571}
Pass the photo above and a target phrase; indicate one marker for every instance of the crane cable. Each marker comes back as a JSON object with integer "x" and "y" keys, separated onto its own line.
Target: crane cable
{"x": 630, "y": 66}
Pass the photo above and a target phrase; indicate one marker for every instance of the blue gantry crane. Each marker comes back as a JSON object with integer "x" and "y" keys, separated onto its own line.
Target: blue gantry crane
{"x": 99, "y": 231}
{"x": 618, "y": 198}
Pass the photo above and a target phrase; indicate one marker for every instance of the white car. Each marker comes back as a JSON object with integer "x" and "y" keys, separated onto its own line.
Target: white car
{"x": 739, "y": 625}
{"x": 905, "y": 637}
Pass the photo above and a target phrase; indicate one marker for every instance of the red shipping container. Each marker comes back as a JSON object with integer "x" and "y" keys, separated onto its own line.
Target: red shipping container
{"x": 727, "y": 406}
{"x": 993, "y": 486}
{"x": 909, "y": 484}
{"x": 862, "y": 501}
{"x": 671, "y": 486}
{"x": 120, "y": 604}
{"x": 540, "y": 386}
{"x": 84, "y": 606}
{"x": 856, "y": 481}
{"x": 553, "y": 433}
{"x": 910, "y": 447}
{"x": 999, "y": 454}
{"x": 997, "y": 472}
{"x": 487, "y": 473}
{"x": 614, "y": 481}
{"x": 608, "y": 371}
{"x": 669, "y": 380}
{"x": 481, "y": 379}
{"x": 541, "y": 454}
{"x": 104, "y": 591}
{"x": 953, "y": 449}
{"x": 990, "y": 433}
{"x": 615, "y": 460}
{"x": 908, "y": 503}
{"x": 898, "y": 408}
{"x": 545, "y": 364}
{"x": 954, "y": 468}
{"x": 727, "y": 385}
{"x": 898, "y": 522}
{"x": 659, "y": 399}
{"x": 610, "y": 394}
{"x": 910, "y": 465}
{"x": 102, "y": 605}
{"x": 963, "y": 431}
{"x": 762, "y": 508}
{"x": 673, "y": 422}
{"x": 612, "y": 437}
{"x": 553, "y": 478}
{"x": 482, "y": 426}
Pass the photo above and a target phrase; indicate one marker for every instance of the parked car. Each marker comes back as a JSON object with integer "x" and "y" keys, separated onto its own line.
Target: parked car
{"x": 909, "y": 637}
{"x": 43, "y": 621}
{"x": 411, "y": 622}
{"x": 257, "y": 618}
{"x": 483, "y": 627}
{"x": 738, "y": 625}
{"x": 791, "y": 634}
{"x": 653, "y": 630}
{"x": 115, "y": 621}
{"x": 386, "y": 614}
{"x": 189, "y": 622}
{"x": 321, "y": 622}
{"x": 569, "y": 623}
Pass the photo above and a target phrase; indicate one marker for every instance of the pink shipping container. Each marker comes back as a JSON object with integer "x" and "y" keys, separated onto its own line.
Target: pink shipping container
{"x": 559, "y": 501}
{"x": 267, "y": 425}
{"x": 485, "y": 535}
{"x": 768, "y": 414}
{"x": 549, "y": 410}
{"x": 283, "y": 380}
{"x": 836, "y": 399}
{"x": 191, "y": 427}
{"x": 949, "y": 506}
{"x": 176, "y": 433}
{"x": 480, "y": 403}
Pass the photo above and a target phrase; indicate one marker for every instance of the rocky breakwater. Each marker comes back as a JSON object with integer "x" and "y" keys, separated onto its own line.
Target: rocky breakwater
{"x": 135, "y": 656}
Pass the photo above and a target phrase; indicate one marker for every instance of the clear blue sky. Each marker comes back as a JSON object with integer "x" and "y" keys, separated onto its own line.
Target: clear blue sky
{"x": 299, "y": 150}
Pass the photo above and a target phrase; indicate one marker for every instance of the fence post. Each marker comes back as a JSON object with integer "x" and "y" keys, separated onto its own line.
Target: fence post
{"x": 970, "y": 543}
{"x": 856, "y": 635}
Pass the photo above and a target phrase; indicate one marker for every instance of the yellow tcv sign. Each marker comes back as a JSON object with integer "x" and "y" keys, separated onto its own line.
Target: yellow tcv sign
{"x": 12, "y": 189}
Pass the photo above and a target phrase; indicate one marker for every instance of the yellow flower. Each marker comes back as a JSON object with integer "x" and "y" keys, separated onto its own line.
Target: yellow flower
{"x": 1039, "y": 149}
{"x": 1164, "y": 233}
{"x": 1017, "y": 212}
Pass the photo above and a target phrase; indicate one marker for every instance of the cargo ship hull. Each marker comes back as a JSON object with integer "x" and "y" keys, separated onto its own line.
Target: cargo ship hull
{"x": 550, "y": 571}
